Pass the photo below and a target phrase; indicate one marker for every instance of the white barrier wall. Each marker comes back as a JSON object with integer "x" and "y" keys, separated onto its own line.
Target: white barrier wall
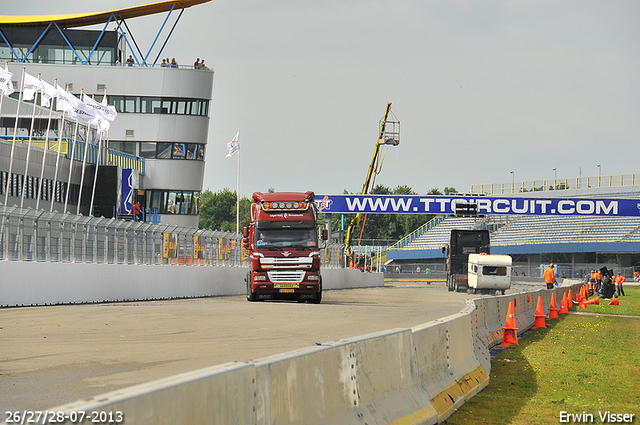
{"x": 417, "y": 376}
{"x": 26, "y": 283}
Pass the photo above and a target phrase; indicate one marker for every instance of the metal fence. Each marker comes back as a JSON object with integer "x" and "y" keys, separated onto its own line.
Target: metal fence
{"x": 620, "y": 180}
{"x": 32, "y": 235}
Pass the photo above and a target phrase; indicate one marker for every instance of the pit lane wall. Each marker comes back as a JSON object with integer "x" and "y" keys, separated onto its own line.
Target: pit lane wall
{"x": 35, "y": 283}
{"x": 401, "y": 376}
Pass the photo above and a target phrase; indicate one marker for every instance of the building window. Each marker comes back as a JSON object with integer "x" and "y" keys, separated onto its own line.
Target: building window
{"x": 147, "y": 149}
{"x": 160, "y": 150}
{"x": 164, "y": 150}
{"x": 160, "y": 105}
{"x": 173, "y": 202}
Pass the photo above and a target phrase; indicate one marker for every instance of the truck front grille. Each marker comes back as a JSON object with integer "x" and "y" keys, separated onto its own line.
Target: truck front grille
{"x": 281, "y": 276}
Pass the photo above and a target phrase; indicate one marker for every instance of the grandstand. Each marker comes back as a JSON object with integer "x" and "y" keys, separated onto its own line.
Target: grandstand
{"x": 538, "y": 239}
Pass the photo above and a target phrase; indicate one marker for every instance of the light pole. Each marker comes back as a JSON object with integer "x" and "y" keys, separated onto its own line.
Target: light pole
{"x": 599, "y": 174}
{"x": 555, "y": 178}
{"x": 513, "y": 182}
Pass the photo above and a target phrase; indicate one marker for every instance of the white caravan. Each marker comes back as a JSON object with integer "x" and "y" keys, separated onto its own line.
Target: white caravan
{"x": 488, "y": 273}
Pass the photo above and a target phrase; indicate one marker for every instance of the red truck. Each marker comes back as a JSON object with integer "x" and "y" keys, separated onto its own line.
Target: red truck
{"x": 282, "y": 239}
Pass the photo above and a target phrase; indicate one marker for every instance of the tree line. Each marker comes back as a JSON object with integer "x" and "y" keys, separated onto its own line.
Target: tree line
{"x": 218, "y": 212}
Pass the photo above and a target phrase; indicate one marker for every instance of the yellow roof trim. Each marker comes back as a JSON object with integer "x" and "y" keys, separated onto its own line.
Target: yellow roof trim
{"x": 85, "y": 19}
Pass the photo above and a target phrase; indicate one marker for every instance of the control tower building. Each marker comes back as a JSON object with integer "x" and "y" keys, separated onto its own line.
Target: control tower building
{"x": 157, "y": 142}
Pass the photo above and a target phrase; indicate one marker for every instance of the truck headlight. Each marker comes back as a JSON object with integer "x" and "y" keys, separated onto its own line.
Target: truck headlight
{"x": 259, "y": 277}
{"x": 313, "y": 277}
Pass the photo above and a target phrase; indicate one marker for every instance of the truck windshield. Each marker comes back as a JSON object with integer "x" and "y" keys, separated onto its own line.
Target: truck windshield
{"x": 286, "y": 238}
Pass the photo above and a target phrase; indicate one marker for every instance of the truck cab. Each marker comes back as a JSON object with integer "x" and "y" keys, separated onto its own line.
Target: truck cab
{"x": 284, "y": 248}
{"x": 461, "y": 244}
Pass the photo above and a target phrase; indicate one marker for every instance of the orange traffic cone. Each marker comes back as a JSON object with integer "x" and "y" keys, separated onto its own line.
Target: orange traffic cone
{"x": 510, "y": 336}
{"x": 563, "y": 304}
{"x": 540, "y": 316}
{"x": 553, "y": 308}
{"x": 583, "y": 294}
{"x": 582, "y": 305}
{"x": 614, "y": 301}
{"x": 528, "y": 299}
{"x": 570, "y": 299}
{"x": 595, "y": 301}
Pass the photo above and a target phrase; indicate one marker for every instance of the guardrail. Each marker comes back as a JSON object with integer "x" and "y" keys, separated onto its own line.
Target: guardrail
{"x": 419, "y": 375}
{"x": 556, "y": 184}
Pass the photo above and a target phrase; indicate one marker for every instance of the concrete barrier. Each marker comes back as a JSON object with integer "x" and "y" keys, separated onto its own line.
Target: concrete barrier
{"x": 223, "y": 394}
{"x": 34, "y": 283}
{"x": 409, "y": 376}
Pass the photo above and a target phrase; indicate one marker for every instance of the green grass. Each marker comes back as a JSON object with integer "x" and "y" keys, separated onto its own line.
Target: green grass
{"x": 579, "y": 363}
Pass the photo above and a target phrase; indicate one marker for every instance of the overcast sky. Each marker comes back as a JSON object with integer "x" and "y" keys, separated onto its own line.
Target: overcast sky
{"x": 480, "y": 88}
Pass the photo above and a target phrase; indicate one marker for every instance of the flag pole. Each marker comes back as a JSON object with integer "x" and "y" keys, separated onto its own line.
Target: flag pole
{"x": 26, "y": 165}
{"x": 238, "y": 193}
{"x": 55, "y": 174}
{"x": 13, "y": 142}
{"x": 95, "y": 177}
{"x": 73, "y": 153}
{"x": 45, "y": 148}
{"x": 84, "y": 160}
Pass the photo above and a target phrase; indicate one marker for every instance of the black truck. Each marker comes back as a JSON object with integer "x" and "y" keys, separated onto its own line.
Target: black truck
{"x": 461, "y": 244}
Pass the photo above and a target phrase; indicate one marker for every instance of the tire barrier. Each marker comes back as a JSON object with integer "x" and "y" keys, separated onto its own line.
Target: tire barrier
{"x": 401, "y": 376}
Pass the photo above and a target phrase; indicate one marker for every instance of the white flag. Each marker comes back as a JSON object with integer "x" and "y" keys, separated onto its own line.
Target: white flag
{"x": 48, "y": 93}
{"x": 30, "y": 86}
{"x": 233, "y": 145}
{"x": 67, "y": 102}
{"x": 85, "y": 113}
{"x": 101, "y": 110}
{"x": 6, "y": 85}
{"x": 101, "y": 123}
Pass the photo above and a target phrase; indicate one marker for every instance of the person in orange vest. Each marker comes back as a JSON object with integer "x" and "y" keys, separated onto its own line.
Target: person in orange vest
{"x": 549, "y": 277}
{"x": 592, "y": 277}
{"x": 619, "y": 280}
{"x": 598, "y": 280}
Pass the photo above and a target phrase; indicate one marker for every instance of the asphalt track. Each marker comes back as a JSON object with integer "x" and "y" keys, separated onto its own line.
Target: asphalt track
{"x": 55, "y": 355}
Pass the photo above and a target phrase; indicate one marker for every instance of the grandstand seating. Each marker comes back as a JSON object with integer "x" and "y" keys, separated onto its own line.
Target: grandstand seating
{"x": 528, "y": 230}
{"x": 438, "y": 235}
{"x": 568, "y": 229}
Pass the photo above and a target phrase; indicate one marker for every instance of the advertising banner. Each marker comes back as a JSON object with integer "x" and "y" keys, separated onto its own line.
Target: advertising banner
{"x": 198, "y": 249}
{"x": 129, "y": 184}
{"x": 169, "y": 245}
{"x": 425, "y": 204}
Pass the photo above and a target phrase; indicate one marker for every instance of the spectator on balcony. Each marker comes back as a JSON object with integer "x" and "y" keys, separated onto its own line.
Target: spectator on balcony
{"x": 130, "y": 61}
{"x": 174, "y": 64}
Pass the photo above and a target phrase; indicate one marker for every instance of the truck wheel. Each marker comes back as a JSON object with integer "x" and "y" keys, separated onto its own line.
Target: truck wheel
{"x": 458, "y": 288}
{"x": 318, "y": 297}
{"x": 251, "y": 296}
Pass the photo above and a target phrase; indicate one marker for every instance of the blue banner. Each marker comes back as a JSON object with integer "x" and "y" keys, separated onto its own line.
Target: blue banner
{"x": 128, "y": 185}
{"x": 426, "y": 204}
